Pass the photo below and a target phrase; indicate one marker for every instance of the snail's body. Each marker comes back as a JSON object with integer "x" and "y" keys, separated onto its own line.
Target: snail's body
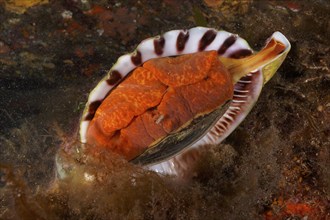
{"x": 159, "y": 98}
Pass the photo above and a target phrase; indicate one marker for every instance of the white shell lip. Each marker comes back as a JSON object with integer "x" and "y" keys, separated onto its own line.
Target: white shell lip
{"x": 281, "y": 38}
{"x": 270, "y": 68}
{"x": 192, "y": 39}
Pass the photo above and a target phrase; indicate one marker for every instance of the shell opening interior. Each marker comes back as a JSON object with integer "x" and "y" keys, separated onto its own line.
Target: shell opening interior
{"x": 240, "y": 67}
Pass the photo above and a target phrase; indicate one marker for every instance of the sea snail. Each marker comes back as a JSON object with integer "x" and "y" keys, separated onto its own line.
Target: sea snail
{"x": 177, "y": 93}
